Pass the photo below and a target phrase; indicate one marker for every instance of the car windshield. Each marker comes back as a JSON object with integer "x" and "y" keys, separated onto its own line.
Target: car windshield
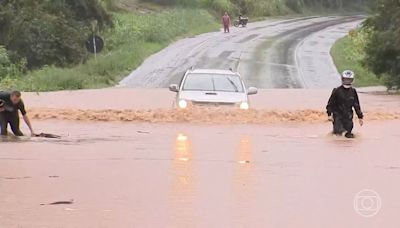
{"x": 213, "y": 82}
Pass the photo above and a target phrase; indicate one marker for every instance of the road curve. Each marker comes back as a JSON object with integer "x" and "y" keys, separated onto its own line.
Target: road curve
{"x": 290, "y": 53}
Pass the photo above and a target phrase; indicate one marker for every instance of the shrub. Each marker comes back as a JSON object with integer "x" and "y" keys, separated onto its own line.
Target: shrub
{"x": 348, "y": 54}
{"x": 383, "y": 46}
{"x": 220, "y": 6}
{"x": 9, "y": 69}
{"x": 295, "y": 5}
{"x": 48, "y": 32}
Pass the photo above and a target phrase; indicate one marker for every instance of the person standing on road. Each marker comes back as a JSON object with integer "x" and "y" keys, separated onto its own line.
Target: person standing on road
{"x": 340, "y": 106}
{"x": 10, "y": 104}
{"x": 226, "y": 22}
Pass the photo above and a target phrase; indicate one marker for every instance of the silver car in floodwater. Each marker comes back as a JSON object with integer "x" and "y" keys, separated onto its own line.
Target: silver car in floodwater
{"x": 212, "y": 88}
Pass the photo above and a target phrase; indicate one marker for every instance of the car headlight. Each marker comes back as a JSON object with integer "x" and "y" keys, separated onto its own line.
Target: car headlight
{"x": 182, "y": 104}
{"x": 244, "y": 105}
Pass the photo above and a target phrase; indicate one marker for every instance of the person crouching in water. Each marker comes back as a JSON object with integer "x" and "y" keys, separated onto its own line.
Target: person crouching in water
{"x": 340, "y": 106}
{"x": 10, "y": 104}
{"x": 226, "y": 21}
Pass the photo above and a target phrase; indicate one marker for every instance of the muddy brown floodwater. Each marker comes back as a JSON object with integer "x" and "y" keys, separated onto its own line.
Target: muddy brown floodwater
{"x": 179, "y": 175}
{"x": 199, "y": 172}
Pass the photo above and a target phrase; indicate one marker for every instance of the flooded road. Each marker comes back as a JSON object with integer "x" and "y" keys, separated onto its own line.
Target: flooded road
{"x": 127, "y": 159}
{"x": 179, "y": 175}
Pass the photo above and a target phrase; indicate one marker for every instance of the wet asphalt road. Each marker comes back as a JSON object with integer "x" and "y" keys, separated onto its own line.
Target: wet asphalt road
{"x": 269, "y": 54}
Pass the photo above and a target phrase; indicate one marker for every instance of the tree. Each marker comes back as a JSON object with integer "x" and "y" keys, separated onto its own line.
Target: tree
{"x": 48, "y": 32}
{"x": 383, "y": 48}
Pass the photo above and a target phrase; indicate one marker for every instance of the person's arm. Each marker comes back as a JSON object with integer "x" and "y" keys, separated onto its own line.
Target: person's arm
{"x": 28, "y": 123}
{"x": 26, "y": 118}
{"x": 357, "y": 108}
{"x": 331, "y": 104}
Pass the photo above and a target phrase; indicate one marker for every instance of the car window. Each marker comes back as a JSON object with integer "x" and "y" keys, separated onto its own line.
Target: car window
{"x": 209, "y": 82}
{"x": 199, "y": 82}
{"x": 228, "y": 83}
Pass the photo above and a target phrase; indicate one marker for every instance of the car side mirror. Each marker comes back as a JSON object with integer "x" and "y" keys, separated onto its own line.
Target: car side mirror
{"x": 252, "y": 91}
{"x": 174, "y": 88}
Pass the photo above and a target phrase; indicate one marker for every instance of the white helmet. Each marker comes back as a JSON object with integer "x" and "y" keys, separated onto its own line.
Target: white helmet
{"x": 348, "y": 78}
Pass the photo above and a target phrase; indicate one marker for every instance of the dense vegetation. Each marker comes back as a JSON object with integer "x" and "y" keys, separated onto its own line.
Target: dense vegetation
{"x": 383, "y": 47}
{"x": 348, "y": 54}
{"x": 48, "y": 32}
{"x": 373, "y": 51}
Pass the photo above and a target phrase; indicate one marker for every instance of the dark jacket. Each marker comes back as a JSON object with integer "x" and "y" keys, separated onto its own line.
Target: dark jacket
{"x": 9, "y": 106}
{"x": 342, "y": 102}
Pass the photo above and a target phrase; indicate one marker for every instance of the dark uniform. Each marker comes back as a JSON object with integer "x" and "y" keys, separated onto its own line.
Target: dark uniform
{"x": 340, "y": 105}
{"x": 10, "y": 115}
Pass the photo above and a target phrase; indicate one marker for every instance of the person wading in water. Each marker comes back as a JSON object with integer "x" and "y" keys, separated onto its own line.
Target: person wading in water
{"x": 10, "y": 106}
{"x": 340, "y": 106}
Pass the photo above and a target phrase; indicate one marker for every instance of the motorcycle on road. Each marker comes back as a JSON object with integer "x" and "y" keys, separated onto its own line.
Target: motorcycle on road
{"x": 241, "y": 22}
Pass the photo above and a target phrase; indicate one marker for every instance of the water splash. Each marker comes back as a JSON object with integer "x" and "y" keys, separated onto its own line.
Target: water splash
{"x": 197, "y": 115}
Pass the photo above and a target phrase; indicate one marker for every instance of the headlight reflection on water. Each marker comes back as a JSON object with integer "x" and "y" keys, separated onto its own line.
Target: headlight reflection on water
{"x": 183, "y": 183}
{"x": 182, "y": 148}
{"x": 245, "y": 150}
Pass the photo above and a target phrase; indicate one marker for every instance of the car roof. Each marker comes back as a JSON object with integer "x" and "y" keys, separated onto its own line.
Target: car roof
{"x": 212, "y": 71}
